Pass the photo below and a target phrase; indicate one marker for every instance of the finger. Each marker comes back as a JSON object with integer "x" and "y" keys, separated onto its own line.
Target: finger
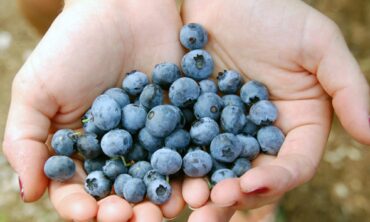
{"x": 175, "y": 204}
{"x": 341, "y": 77}
{"x": 71, "y": 200}
{"x": 211, "y": 213}
{"x": 26, "y": 132}
{"x": 147, "y": 211}
{"x": 113, "y": 208}
{"x": 195, "y": 192}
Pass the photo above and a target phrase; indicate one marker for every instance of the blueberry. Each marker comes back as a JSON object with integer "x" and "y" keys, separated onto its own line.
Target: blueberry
{"x": 184, "y": 92}
{"x": 134, "y": 190}
{"x": 135, "y": 82}
{"x": 106, "y": 112}
{"x": 97, "y": 185}
{"x": 197, "y": 163}
{"x": 159, "y": 191}
{"x": 166, "y": 161}
{"x": 59, "y": 168}
{"x": 88, "y": 145}
{"x": 116, "y": 143}
{"x": 263, "y": 113}
{"x": 250, "y": 128}
{"x": 226, "y": 147}
{"x": 232, "y": 119}
{"x": 162, "y": 120}
{"x": 208, "y": 105}
{"x": 203, "y": 131}
{"x": 207, "y": 85}
{"x": 234, "y": 100}
{"x": 137, "y": 153}
{"x": 113, "y": 168}
{"x": 270, "y": 139}
{"x": 221, "y": 174}
{"x": 229, "y": 81}
{"x": 178, "y": 140}
{"x": 89, "y": 125}
{"x": 119, "y": 95}
{"x": 197, "y": 64}
{"x": 252, "y": 92}
{"x": 164, "y": 74}
{"x": 251, "y": 147}
{"x": 119, "y": 183}
{"x": 148, "y": 141}
{"x": 64, "y": 142}
{"x": 133, "y": 118}
{"x": 151, "y": 96}
{"x": 241, "y": 165}
{"x": 193, "y": 36}
{"x": 139, "y": 169}
{"x": 151, "y": 176}
{"x": 95, "y": 164}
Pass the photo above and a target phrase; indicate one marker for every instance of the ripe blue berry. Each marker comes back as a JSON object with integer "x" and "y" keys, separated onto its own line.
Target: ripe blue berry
{"x": 197, "y": 64}
{"x": 89, "y": 125}
{"x": 166, "y": 161}
{"x": 193, "y": 36}
{"x": 241, "y": 165}
{"x": 95, "y": 164}
{"x": 151, "y": 176}
{"x": 134, "y": 190}
{"x": 233, "y": 100}
{"x": 270, "y": 139}
{"x": 252, "y": 92}
{"x": 119, "y": 183}
{"x": 197, "y": 163}
{"x": 116, "y": 143}
{"x": 151, "y": 96}
{"x": 59, "y": 168}
{"x": 207, "y": 85}
{"x": 162, "y": 120}
{"x": 97, "y": 185}
{"x": 88, "y": 145}
{"x": 134, "y": 82}
{"x": 232, "y": 119}
{"x": 106, "y": 112}
{"x": 226, "y": 147}
{"x": 229, "y": 81}
{"x": 139, "y": 169}
{"x": 133, "y": 118}
{"x": 203, "y": 131}
{"x": 64, "y": 142}
{"x": 184, "y": 92}
{"x": 148, "y": 141}
{"x": 221, "y": 174}
{"x": 119, "y": 95}
{"x": 113, "y": 168}
{"x": 251, "y": 147}
{"x": 159, "y": 191}
{"x": 164, "y": 74}
{"x": 178, "y": 140}
{"x": 208, "y": 105}
{"x": 263, "y": 113}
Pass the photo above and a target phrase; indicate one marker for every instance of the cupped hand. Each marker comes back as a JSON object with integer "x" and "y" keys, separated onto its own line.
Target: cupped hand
{"x": 88, "y": 48}
{"x": 303, "y": 59}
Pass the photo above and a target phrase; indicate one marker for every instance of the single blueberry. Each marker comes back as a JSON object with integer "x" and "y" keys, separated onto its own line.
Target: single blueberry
{"x": 139, "y": 169}
{"x": 133, "y": 118}
{"x": 221, "y": 174}
{"x": 179, "y": 140}
{"x": 207, "y": 85}
{"x": 229, "y": 81}
{"x": 134, "y": 190}
{"x": 164, "y": 74}
{"x": 113, "y": 168}
{"x": 59, "y": 168}
{"x": 250, "y": 128}
{"x": 159, "y": 191}
{"x": 203, "y": 131}
{"x": 226, "y": 147}
{"x": 151, "y": 176}
{"x": 197, "y": 163}
{"x": 270, "y": 139}
{"x": 88, "y": 145}
{"x": 193, "y": 36}
{"x": 64, "y": 142}
{"x": 137, "y": 153}
{"x": 135, "y": 82}
{"x": 116, "y": 143}
{"x": 252, "y": 92}
{"x": 234, "y": 100}
{"x": 119, "y": 95}
{"x": 95, "y": 164}
{"x": 89, "y": 125}
{"x": 263, "y": 113}
{"x": 148, "y": 141}
{"x": 184, "y": 92}
{"x": 197, "y": 64}
{"x": 208, "y": 105}
{"x": 232, "y": 119}
{"x": 119, "y": 183}
{"x": 251, "y": 147}
{"x": 151, "y": 96}
{"x": 162, "y": 120}
{"x": 241, "y": 165}
{"x": 166, "y": 161}
{"x": 106, "y": 112}
{"x": 97, "y": 185}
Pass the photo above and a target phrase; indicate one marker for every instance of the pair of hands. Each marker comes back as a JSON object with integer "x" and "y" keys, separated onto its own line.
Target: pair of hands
{"x": 297, "y": 52}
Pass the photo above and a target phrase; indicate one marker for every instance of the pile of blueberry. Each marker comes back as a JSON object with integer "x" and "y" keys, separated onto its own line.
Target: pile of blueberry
{"x": 135, "y": 143}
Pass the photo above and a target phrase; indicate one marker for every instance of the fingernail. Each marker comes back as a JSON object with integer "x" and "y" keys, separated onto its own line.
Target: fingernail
{"x": 169, "y": 219}
{"x": 21, "y": 190}
{"x": 259, "y": 191}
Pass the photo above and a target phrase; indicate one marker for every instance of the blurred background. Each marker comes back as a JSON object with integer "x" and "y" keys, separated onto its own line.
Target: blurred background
{"x": 339, "y": 192}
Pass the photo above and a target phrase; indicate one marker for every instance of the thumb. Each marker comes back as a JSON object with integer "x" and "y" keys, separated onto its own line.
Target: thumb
{"x": 26, "y": 132}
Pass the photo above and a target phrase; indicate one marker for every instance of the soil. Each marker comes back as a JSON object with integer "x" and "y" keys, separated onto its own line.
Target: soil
{"x": 340, "y": 191}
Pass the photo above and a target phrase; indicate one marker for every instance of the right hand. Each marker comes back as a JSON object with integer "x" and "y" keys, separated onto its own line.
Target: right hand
{"x": 88, "y": 48}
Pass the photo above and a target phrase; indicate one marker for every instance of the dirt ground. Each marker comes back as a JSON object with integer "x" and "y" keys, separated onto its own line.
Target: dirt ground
{"x": 340, "y": 191}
